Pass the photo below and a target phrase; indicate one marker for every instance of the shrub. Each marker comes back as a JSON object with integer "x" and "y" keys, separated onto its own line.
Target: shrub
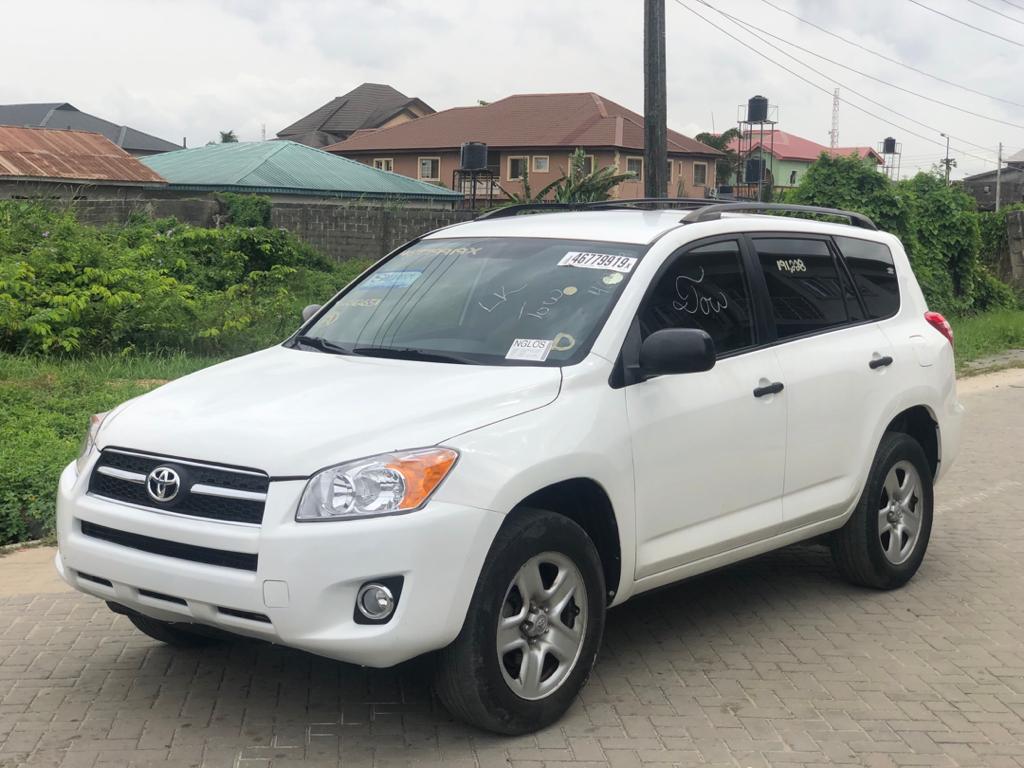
{"x": 246, "y": 210}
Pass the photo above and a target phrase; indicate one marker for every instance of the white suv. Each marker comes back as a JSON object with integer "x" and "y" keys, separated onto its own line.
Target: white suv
{"x": 510, "y": 425}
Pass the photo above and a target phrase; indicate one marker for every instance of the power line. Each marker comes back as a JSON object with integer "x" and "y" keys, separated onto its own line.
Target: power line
{"x": 826, "y": 91}
{"x": 743, "y": 25}
{"x": 997, "y": 13}
{"x": 966, "y": 24}
{"x": 890, "y": 58}
{"x": 889, "y": 83}
{"x": 1013, "y": 5}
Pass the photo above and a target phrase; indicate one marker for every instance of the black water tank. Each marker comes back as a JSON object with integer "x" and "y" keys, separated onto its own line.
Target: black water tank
{"x": 754, "y": 170}
{"x": 757, "y": 109}
{"x": 473, "y": 156}
{"x": 889, "y": 146}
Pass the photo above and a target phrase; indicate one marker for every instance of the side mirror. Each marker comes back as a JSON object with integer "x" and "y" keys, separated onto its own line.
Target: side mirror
{"x": 676, "y": 350}
{"x": 310, "y": 310}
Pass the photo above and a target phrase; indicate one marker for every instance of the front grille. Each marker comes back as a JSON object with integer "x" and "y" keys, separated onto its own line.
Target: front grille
{"x": 241, "y": 560}
{"x": 247, "y": 615}
{"x": 214, "y": 492}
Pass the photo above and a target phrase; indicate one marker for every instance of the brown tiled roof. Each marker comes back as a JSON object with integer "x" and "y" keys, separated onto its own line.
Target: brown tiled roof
{"x": 44, "y": 153}
{"x": 527, "y": 120}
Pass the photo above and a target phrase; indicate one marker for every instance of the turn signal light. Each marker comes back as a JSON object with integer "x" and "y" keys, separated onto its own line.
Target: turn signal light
{"x": 940, "y": 324}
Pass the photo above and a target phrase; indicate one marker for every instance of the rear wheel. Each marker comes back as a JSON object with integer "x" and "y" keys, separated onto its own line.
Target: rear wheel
{"x": 177, "y": 635}
{"x": 533, "y": 628}
{"x": 884, "y": 541}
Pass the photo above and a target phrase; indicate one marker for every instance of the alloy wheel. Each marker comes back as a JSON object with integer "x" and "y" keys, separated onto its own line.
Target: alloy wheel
{"x": 899, "y": 513}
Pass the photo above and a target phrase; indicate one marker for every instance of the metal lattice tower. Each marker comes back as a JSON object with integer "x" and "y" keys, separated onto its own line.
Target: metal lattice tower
{"x": 833, "y": 135}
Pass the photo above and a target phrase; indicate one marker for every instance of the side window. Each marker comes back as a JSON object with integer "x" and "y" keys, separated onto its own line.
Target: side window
{"x": 874, "y": 273}
{"x": 804, "y": 285}
{"x": 704, "y": 288}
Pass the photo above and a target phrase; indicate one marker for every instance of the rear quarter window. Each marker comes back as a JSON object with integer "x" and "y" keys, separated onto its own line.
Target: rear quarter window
{"x": 874, "y": 273}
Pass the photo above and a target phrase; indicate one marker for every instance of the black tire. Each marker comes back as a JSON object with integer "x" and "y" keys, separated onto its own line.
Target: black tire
{"x": 469, "y": 677}
{"x": 177, "y": 635}
{"x": 858, "y": 548}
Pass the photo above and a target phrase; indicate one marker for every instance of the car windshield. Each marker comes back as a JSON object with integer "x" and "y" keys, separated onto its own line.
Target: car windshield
{"x": 490, "y": 301}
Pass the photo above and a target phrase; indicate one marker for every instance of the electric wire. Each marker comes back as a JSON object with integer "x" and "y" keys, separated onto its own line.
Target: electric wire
{"x": 890, "y": 58}
{"x": 967, "y": 24}
{"x": 829, "y": 93}
{"x": 889, "y": 83}
{"x": 1012, "y": 4}
{"x": 997, "y": 13}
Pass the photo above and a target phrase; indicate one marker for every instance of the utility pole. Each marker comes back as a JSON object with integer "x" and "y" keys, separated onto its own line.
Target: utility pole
{"x": 833, "y": 135}
{"x": 655, "y": 118}
{"x": 999, "y": 173}
{"x": 946, "y": 162}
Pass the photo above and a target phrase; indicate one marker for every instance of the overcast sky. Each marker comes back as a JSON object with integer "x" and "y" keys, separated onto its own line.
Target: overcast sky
{"x": 190, "y": 68}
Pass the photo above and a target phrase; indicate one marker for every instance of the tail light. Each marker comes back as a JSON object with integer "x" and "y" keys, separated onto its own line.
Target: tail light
{"x": 940, "y": 324}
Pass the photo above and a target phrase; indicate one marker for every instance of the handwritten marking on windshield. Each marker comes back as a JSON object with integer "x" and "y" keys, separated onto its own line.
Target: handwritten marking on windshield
{"x": 502, "y": 295}
{"x": 691, "y": 300}
{"x": 546, "y": 305}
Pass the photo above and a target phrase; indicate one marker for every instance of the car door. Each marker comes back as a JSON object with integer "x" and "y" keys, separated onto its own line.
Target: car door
{"x": 708, "y": 453}
{"x": 835, "y": 366}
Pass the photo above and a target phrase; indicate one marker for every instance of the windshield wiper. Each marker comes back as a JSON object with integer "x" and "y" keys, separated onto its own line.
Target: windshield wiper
{"x": 409, "y": 353}
{"x": 322, "y": 344}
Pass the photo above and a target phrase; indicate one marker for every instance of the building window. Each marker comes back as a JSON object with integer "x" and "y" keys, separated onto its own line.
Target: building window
{"x": 430, "y": 168}
{"x": 540, "y": 164}
{"x": 792, "y": 178}
{"x": 700, "y": 174}
{"x": 384, "y": 164}
{"x": 635, "y": 165}
{"x": 986, "y": 189}
{"x": 517, "y": 167}
{"x": 668, "y": 171}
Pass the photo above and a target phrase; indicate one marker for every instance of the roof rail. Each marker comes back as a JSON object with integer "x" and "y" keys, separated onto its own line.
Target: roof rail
{"x": 710, "y": 212}
{"x": 628, "y": 203}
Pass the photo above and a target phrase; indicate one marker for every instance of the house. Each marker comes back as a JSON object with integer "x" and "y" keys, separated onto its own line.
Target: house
{"x": 47, "y": 163}
{"x": 286, "y": 170}
{"x": 532, "y": 136}
{"x": 788, "y": 156}
{"x": 69, "y": 117}
{"x": 982, "y": 186}
{"x": 371, "y": 105}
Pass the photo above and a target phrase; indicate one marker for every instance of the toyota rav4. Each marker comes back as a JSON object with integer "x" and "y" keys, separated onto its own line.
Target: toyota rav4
{"x": 508, "y": 426}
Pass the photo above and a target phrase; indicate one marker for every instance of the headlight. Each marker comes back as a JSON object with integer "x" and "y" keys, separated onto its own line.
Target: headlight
{"x": 89, "y": 441}
{"x": 378, "y": 485}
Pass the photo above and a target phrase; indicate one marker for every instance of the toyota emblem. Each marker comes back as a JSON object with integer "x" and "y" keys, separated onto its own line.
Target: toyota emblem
{"x": 163, "y": 484}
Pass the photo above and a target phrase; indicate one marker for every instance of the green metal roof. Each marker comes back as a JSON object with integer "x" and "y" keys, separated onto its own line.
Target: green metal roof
{"x": 284, "y": 168}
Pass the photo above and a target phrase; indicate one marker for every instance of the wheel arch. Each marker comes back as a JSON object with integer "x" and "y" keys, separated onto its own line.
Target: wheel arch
{"x": 585, "y": 502}
{"x": 920, "y": 423}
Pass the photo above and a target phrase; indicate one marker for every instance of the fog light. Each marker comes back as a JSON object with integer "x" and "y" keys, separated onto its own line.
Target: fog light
{"x": 375, "y": 601}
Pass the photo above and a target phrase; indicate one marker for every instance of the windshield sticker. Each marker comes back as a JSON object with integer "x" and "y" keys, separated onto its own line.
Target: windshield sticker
{"x": 401, "y": 279}
{"x": 563, "y": 342}
{"x": 589, "y": 260}
{"x": 613, "y": 279}
{"x": 529, "y": 349}
{"x": 569, "y": 290}
{"x": 438, "y": 251}
{"x": 330, "y": 318}
{"x": 351, "y": 301}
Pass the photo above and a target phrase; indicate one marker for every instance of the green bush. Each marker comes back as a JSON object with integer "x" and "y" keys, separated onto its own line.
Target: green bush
{"x": 152, "y": 286}
{"x": 247, "y": 210}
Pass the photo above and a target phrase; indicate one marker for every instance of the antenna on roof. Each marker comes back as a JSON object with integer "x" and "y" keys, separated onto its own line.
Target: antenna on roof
{"x": 833, "y": 135}
{"x": 263, "y": 131}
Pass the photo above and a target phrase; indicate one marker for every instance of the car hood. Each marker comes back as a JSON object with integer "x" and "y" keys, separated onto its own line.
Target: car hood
{"x": 291, "y": 412}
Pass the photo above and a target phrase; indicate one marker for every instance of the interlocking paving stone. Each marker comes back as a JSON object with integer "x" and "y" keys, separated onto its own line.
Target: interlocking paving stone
{"x": 772, "y": 662}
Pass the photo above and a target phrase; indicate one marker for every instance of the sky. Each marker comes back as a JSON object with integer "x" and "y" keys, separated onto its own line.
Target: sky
{"x": 191, "y": 68}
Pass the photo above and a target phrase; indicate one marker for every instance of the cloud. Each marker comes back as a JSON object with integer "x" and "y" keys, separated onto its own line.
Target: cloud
{"x": 191, "y": 68}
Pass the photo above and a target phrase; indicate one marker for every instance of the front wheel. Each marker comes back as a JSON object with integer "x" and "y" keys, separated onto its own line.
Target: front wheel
{"x": 533, "y": 628}
{"x": 884, "y": 541}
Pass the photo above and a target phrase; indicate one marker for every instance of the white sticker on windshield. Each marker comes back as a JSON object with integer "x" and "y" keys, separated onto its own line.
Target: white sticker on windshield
{"x": 598, "y": 261}
{"x": 529, "y": 349}
{"x": 401, "y": 279}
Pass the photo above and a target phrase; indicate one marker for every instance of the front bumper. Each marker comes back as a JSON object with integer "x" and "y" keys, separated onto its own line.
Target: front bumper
{"x": 302, "y": 593}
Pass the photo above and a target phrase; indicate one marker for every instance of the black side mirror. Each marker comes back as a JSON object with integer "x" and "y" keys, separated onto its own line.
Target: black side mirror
{"x": 310, "y": 310}
{"x": 676, "y": 350}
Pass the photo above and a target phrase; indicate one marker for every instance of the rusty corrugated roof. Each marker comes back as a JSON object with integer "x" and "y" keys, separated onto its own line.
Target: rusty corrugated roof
{"x": 44, "y": 153}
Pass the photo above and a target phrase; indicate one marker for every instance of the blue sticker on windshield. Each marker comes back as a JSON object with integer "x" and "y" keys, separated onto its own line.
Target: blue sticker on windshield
{"x": 401, "y": 279}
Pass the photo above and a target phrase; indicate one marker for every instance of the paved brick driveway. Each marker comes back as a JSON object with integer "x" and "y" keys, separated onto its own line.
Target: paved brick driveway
{"x": 773, "y": 662}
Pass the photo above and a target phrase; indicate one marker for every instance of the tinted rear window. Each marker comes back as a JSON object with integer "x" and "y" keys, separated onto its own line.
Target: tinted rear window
{"x": 874, "y": 273}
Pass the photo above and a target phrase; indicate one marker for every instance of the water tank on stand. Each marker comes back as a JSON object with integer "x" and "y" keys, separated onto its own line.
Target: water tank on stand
{"x": 889, "y": 146}
{"x": 757, "y": 109}
{"x": 473, "y": 156}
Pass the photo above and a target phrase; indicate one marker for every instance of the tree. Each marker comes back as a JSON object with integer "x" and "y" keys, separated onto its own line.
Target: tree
{"x": 728, "y": 166}
{"x": 228, "y": 137}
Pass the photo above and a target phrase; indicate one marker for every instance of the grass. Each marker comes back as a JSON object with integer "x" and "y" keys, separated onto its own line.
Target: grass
{"x": 44, "y": 408}
{"x": 981, "y": 336}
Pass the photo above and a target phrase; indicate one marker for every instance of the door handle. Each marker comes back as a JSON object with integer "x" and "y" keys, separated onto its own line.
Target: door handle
{"x": 771, "y": 389}
{"x": 880, "y": 362}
